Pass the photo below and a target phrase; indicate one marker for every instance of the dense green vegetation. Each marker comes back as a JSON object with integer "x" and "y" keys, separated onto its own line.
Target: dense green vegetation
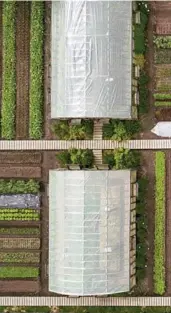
{"x": 143, "y": 93}
{"x": 162, "y": 42}
{"x": 36, "y": 70}
{"x": 64, "y": 131}
{"x": 18, "y": 186}
{"x": 162, "y": 103}
{"x": 121, "y": 158}
{"x": 9, "y": 71}
{"x": 18, "y": 272}
{"x": 140, "y": 29}
{"x": 162, "y": 96}
{"x": 159, "y": 242}
{"x": 141, "y": 230}
{"x": 120, "y": 130}
{"x": 8, "y": 214}
{"x": 84, "y": 158}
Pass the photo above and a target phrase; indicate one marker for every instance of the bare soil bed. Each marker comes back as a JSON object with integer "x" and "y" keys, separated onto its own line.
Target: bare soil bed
{"x": 20, "y": 157}
{"x": 163, "y": 114}
{"x": 19, "y": 286}
{"x": 20, "y": 172}
{"x": 163, "y": 12}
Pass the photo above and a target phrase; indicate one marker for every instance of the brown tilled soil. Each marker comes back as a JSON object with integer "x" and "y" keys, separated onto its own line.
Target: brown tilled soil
{"x": 20, "y": 157}
{"x": 163, "y": 114}
{"x": 148, "y": 169}
{"x": 20, "y": 172}
{"x": 163, "y": 13}
{"x": 22, "y": 69}
{"x": 0, "y": 54}
{"x": 19, "y": 286}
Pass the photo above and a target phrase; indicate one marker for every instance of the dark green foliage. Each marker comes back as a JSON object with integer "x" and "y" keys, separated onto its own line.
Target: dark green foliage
{"x": 143, "y": 93}
{"x": 121, "y": 130}
{"x": 139, "y": 36}
{"x": 18, "y": 186}
{"x": 63, "y": 158}
{"x": 64, "y": 131}
{"x": 84, "y": 158}
{"x": 108, "y": 158}
{"x": 125, "y": 159}
{"x": 141, "y": 231}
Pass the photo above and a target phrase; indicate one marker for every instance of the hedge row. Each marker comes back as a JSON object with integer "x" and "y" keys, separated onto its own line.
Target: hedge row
{"x": 159, "y": 242}
{"x": 9, "y": 71}
{"x": 36, "y": 71}
{"x": 162, "y": 103}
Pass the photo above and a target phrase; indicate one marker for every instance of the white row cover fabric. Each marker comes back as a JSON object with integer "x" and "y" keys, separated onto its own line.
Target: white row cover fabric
{"x": 89, "y": 232}
{"x": 91, "y": 54}
{"x": 162, "y": 129}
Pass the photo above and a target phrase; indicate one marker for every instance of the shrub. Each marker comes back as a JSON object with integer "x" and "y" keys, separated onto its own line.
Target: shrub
{"x": 125, "y": 159}
{"x": 63, "y": 158}
{"x": 36, "y": 71}
{"x": 9, "y": 71}
{"x": 163, "y": 42}
{"x": 120, "y": 130}
{"x": 64, "y": 131}
{"x": 162, "y": 103}
{"x": 162, "y": 96}
{"x": 159, "y": 242}
{"x": 139, "y": 34}
{"x": 108, "y": 158}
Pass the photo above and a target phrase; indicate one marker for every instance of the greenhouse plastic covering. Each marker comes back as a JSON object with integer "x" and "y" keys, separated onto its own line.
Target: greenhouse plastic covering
{"x": 89, "y": 224}
{"x": 91, "y": 52}
{"x": 162, "y": 129}
{"x": 20, "y": 201}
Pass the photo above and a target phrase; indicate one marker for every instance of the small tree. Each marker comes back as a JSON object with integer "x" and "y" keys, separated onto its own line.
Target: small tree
{"x": 76, "y": 156}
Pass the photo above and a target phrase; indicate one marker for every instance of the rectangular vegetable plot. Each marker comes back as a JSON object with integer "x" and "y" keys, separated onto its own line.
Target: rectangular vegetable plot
{"x": 19, "y": 257}
{"x": 19, "y": 231}
{"x": 18, "y": 272}
{"x": 19, "y": 215}
{"x": 20, "y": 243}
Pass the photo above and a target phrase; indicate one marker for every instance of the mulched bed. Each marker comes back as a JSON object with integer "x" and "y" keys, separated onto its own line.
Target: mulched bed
{"x": 163, "y": 114}
{"x": 20, "y": 157}
{"x": 20, "y": 172}
{"x": 19, "y": 286}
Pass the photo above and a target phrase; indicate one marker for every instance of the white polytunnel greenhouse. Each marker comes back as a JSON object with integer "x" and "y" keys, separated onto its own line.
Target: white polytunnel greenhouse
{"x": 89, "y": 232}
{"x": 91, "y": 53}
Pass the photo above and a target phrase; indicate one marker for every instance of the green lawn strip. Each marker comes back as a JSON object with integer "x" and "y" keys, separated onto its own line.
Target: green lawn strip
{"x": 19, "y": 257}
{"x": 19, "y": 186}
{"x": 8, "y": 71}
{"x": 162, "y": 96}
{"x": 18, "y": 272}
{"x": 159, "y": 242}
{"x": 162, "y": 103}
{"x": 36, "y": 71}
{"x": 19, "y": 231}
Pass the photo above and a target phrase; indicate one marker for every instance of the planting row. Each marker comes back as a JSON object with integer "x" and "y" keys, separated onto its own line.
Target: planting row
{"x": 18, "y": 272}
{"x": 36, "y": 71}
{"x": 19, "y": 257}
{"x": 63, "y": 130}
{"x": 9, "y": 71}
{"x": 19, "y": 214}
{"x": 19, "y": 231}
{"x": 20, "y": 243}
{"x": 159, "y": 241}
{"x": 13, "y": 186}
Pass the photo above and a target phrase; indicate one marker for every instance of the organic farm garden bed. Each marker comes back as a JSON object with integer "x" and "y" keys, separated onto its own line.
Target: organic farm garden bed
{"x": 20, "y": 172}
{"x": 20, "y": 243}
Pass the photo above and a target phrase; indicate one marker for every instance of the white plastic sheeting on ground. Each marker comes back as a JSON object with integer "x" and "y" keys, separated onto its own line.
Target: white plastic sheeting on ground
{"x": 89, "y": 232}
{"x": 91, "y": 54}
{"x": 162, "y": 129}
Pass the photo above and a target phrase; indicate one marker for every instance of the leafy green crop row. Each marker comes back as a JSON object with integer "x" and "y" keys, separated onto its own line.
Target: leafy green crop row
{"x": 8, "y": 214}
{"x": 162, "y": 96}
{"x": 19, "y": 257}
{"x": 9, "y": 71}
{"x": 163, "y": 42}
{"x": 36, "y": 71}
{"x": 18, "y": 186}
{"x": 19, "y": 231}
{"x": 162, "y": 103}
{"x": 159, "y": 242}
{"x": 18, "y": 272}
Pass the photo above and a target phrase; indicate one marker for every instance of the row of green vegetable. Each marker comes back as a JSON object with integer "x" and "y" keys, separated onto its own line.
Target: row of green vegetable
{"x": 9, "y": 214}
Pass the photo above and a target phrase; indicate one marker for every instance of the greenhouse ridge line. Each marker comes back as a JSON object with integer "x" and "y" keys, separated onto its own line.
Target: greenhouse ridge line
{"x": 146, "y": 144}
